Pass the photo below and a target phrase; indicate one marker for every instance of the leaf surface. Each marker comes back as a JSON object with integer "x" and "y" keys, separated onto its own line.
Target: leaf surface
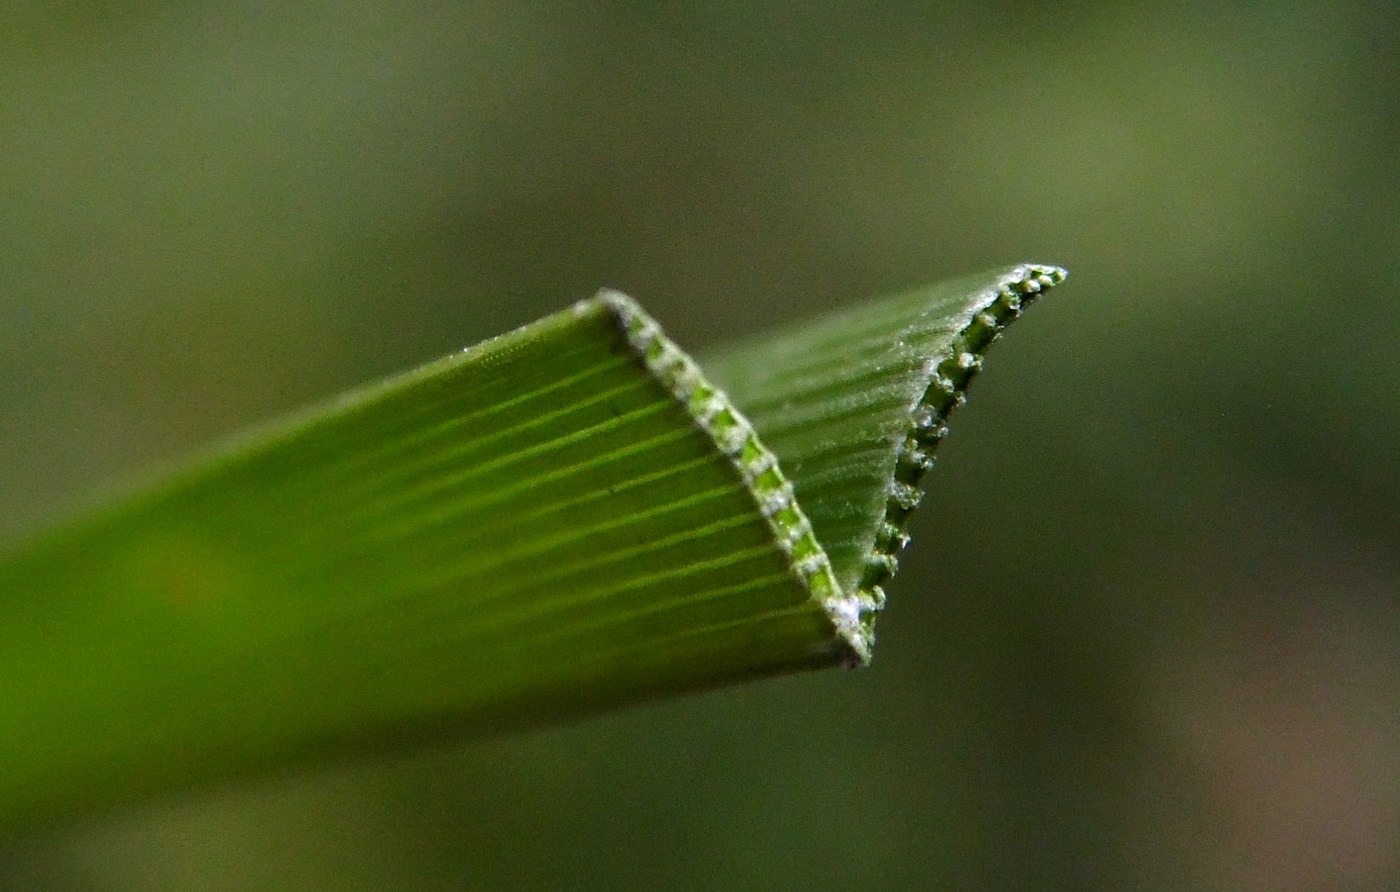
{"x": 564, "y": 519}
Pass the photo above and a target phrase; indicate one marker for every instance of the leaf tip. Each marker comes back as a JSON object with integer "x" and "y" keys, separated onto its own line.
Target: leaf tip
{"x": 946, "y": 374}
{"x": 1033, "y": 278}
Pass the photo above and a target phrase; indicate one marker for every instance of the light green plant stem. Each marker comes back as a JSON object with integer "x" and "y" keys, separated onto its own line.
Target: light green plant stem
{"x": 563, "y": 519}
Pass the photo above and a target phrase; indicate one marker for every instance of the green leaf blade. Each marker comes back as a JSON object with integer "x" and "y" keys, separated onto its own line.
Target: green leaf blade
{"x": 534, "y": 528}
{"x": 855, "y": 404}
{"x": 564, "y": 519}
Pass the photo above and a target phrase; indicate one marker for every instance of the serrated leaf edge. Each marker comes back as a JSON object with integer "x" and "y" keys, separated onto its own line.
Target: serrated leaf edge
{"x": 950, "y": 371}
{"x": 732, "y": 433}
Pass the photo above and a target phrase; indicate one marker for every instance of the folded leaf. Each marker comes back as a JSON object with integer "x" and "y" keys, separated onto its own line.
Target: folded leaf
{"x": 563, "y": 519}
{"x": 855, "y": 403}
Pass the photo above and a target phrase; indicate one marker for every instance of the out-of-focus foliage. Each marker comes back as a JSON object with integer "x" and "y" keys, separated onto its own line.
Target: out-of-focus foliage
{"x": 1164, "y": 657}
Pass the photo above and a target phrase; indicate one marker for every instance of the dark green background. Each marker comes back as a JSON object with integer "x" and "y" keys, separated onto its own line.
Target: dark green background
{"x": 1164, "y": 650}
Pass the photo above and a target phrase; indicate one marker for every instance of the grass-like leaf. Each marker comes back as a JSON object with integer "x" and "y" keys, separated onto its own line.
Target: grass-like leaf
{"x": 567, "y": 518}
{"x": 855, "y": 403}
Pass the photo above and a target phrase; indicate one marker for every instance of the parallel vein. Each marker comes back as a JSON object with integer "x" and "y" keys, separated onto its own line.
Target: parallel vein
{"x": 570, "y": 517}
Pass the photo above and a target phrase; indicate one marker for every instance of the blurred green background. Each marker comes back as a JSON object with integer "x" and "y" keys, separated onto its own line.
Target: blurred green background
{"x": 1164, "y": 652}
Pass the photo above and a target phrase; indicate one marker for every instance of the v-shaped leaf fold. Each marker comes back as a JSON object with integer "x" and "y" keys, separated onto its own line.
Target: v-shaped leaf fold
{"x": 570, "y": 517}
